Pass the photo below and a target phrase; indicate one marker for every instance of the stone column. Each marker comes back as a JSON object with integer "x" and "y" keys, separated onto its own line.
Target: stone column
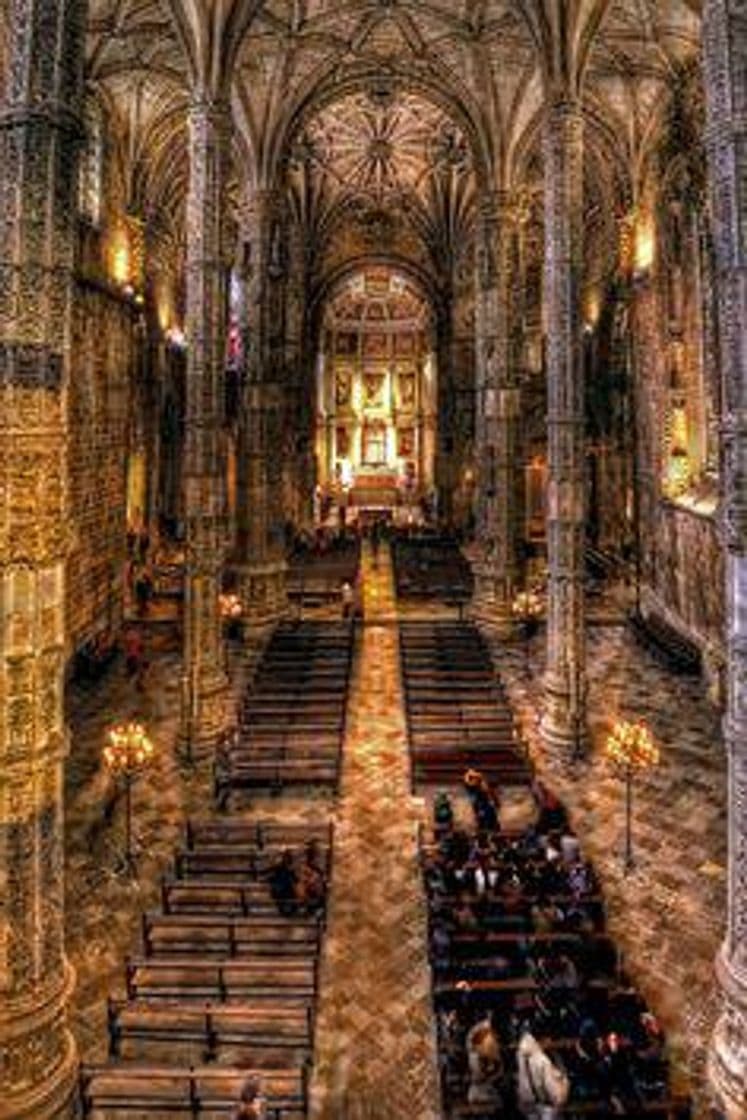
{"x": 40, "y": 135}
{"x": 564, "y": 718}
{"x": 725, "y": 56}
{"x": 204, "y": 680}
{"x": 262, "y": 559}
{"x": 496, "y": 417}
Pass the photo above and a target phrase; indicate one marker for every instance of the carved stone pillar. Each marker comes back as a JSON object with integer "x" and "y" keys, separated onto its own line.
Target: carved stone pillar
{"x": 204, "y": 680}
{"x": 725, "y": 56}
{"x": 40, "y": 134}
{"x": 564, "y": 718}
{"x": 261, "y": 542}
{"x": 496, "y": 416}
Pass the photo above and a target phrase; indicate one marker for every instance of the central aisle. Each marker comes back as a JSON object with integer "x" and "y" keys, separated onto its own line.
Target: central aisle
{"x": 375, "y": 1043}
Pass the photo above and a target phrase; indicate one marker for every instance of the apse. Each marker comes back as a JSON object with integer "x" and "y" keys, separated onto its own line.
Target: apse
{"x": 376, "y": 392}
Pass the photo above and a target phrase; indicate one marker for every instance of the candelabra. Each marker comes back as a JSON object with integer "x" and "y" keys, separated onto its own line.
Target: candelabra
{"x": 128, "y": 750}
{"x": 630, "y": 747}
{"x": 231, "y": 610}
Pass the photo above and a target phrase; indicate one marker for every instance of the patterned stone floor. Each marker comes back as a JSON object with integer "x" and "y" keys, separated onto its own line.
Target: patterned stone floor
{"x": 103, "y": 903}
{"x": 668, "y": 914}
{"x": 376, "y": 1052}
{"x": 376, "y": 1056}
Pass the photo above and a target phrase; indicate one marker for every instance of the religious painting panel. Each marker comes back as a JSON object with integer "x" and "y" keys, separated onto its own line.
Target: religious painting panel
{"x": 405, "y": 442}
{"x": 406, "y": 390}
{"x": 374, "y": 444}
{"x": 342, "y": 440}
{"x": 343, "y": 388}
{"x": 405, "y": 345}
{"x": 375, "y": 345}
{"x": 346, "y": 344}
{"x": 373, "y": 390}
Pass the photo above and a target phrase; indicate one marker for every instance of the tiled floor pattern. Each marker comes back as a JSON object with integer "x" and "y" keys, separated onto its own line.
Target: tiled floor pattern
{"x": 668, "y": 914}
{"x": 375, "y": 1046}
{"x": 104, "y": 903}
{"x": 375, "y": 1056}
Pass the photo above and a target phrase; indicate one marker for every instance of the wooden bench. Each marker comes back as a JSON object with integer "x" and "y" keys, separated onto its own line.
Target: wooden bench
{"x": 269, "y": 1027}
{"x": 171, "y": 934}
{"x": 260, "y": 833}
{"x": 215, "y": 896}
{"x": 195, "y": 1092}
{"x": 177, "y": 978}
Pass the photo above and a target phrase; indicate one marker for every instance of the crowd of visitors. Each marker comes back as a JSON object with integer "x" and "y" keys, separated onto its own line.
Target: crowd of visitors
{"x": 535, "y": 1013}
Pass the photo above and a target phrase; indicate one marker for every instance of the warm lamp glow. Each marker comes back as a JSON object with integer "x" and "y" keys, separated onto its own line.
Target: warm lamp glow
{"x": 128, "y": 747}
{"x": 230, "y": 606}
{"x": 677, "y": 478}
{"x": 593, "y": 310}
{"x": 120, "y": 257}
{"x": 645, "y": 243}
{"x": 526, "y": 605}
{"x": 631, "y": 745}
{"x": 175, "y": 335}
{"x": 679, "y": 430}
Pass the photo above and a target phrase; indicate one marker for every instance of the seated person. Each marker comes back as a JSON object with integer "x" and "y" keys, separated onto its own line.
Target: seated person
{"x": 283, "y": 881}
{"x": 310, "y": 888}
{"x": 592, "y": 1074}
{"x": 252, "y": 1105}
{"x": 542, "y": 1088}
{"x": 443, "y": 813}
{"x": 648, "y": 1057}
{"x": 485, "y": 1065}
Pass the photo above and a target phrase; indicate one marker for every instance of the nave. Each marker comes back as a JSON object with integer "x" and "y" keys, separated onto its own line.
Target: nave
{"x": 375, "y": 1022}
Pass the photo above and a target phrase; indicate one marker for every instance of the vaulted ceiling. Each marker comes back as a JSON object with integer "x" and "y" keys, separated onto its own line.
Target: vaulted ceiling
{"x": 361, "y": 107}
{"x": 377, "y": 297}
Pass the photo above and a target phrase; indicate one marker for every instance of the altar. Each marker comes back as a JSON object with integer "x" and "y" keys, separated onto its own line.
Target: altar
{"x": 376, "y": 414}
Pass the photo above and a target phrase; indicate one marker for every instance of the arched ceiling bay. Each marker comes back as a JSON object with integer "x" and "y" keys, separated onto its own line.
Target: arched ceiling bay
{"x": 377, "y": 297}
{"x": 473, "y": 72}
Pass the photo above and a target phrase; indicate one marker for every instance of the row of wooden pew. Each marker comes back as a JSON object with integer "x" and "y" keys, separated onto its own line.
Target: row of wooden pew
{"x": 316, "y": 577}
{"x": 292, "y": 721}
{"x": 457, "y": 712}
{"x": 490, "y": 956}
{"x": 431, "y": 567}
{"x": 223, "y": 985}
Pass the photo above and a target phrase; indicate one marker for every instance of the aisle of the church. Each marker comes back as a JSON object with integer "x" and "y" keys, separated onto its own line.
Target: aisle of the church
{"x": 375, "y": 1045}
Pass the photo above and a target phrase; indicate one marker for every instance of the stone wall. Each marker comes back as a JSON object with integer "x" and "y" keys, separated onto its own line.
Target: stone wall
{"x": 682, "y": 557}
{"x": 686, "y": 583}
{"x": 99, "y": 406}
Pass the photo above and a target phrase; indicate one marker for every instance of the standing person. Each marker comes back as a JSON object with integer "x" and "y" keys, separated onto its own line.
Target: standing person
{"x": 484, "y": 800}
{"x": 347, "y": 598}
{"x": 143, "y": 590}
{"x": 134, "y": 652}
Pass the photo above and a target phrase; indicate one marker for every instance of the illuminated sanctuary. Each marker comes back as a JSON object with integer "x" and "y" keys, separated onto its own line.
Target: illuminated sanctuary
{"x": 373, "y": 559}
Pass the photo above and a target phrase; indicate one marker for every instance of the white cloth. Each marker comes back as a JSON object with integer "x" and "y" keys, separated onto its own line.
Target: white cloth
{"x": 542, "y": 1088}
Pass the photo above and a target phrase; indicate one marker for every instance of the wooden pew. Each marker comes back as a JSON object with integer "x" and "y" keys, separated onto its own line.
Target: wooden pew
{"x": 194, "y": 1092}
{"x": 269, "y": 1027}
{"x": 223, "y": 979}
{"x": 204, "y": 934}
